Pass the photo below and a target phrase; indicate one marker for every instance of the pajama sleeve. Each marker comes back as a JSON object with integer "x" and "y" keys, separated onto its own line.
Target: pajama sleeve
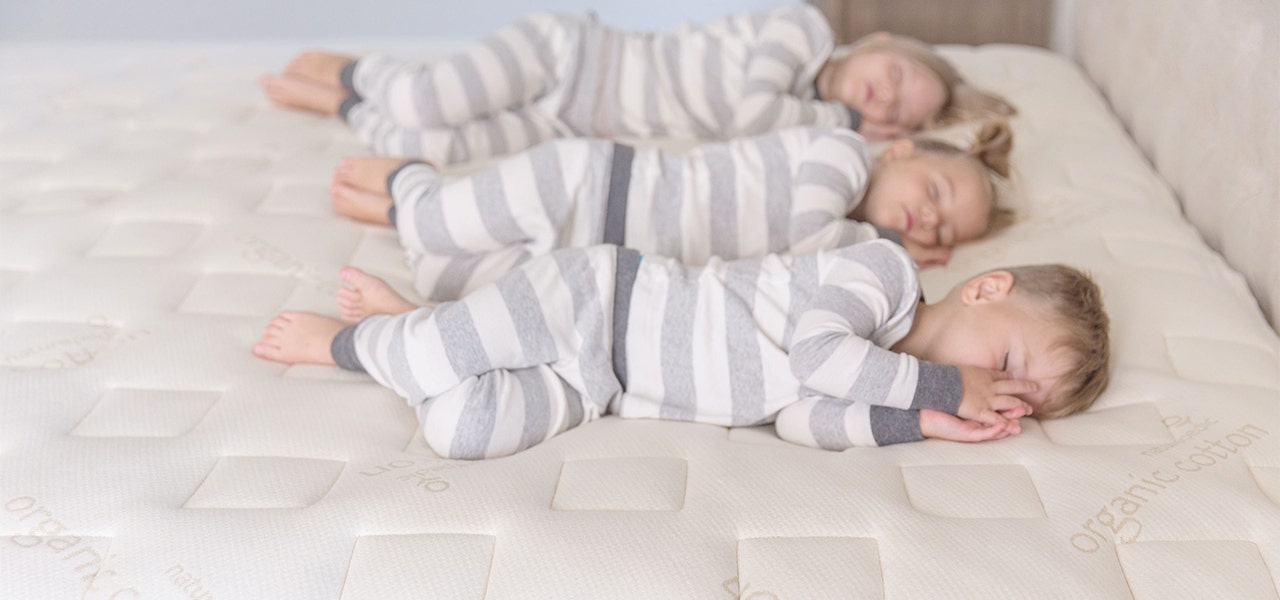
{"x": 830, "y": 179}
{"x": 820, "y": 421}
{"x": 864, "y": 303}
{"x": 791, "y": 46}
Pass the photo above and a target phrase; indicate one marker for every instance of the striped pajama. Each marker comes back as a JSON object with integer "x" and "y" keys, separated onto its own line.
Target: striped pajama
{"x": 584, "y": 332}
{"x": 550, "y": 76}
{"x": 788, "y": 191}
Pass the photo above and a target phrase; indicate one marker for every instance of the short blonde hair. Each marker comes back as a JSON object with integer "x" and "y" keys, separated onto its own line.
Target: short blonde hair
{"x": 1075, "y": 305}
{"x": 963, "y": 101}
{"x": 990, "y": 149}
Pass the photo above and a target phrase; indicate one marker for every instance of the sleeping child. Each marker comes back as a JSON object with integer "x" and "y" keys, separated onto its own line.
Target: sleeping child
{"x": 552, "y": 76}
{"x": 836, "y": 347}
{"x": 798, "y": 190}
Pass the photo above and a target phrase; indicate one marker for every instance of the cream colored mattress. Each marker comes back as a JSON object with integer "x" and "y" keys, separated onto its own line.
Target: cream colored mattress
{"x": 155, "y": 212}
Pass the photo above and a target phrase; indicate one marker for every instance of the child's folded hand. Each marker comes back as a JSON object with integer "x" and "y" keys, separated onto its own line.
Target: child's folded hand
{"x": 940, "y": 425}
{"x": 990, "y": 396}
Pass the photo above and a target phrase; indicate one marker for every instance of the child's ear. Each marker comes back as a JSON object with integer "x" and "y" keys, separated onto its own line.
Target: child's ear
{"x": 987, "y": 287}
{"x": 898, "y": 150}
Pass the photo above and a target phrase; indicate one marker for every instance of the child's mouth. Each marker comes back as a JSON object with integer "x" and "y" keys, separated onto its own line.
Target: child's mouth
{"x": 911, "y": 221}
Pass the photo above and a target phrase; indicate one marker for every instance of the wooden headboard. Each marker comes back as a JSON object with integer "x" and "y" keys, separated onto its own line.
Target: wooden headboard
{"x": 943, "y": 21}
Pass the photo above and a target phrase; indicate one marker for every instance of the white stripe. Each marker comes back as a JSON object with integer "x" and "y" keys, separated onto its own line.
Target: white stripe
{"x": 462, "y": 216}
{"x": 644, "y": 397}
{"x": 749, "y": 192}
{"x": 857, "y": 424}
{"x": 455, "y": 107}
{"x": 711, "y": 352}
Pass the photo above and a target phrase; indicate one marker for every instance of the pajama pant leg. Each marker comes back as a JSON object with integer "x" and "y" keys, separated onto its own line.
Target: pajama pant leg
{"x": 462, "y": 232}
{"x": 497, "y": 135}
{"x": 510, "y": 68}
{"x": 502, "y": 412}
{"x": 509, "y": 365}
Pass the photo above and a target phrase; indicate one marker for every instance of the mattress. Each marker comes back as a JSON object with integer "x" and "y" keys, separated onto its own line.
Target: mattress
{"x": 155, "y": 212}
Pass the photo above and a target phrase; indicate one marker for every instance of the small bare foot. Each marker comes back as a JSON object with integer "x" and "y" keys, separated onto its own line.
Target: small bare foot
{"x": 318, "y": 66}
{"x": 368, "y": 295}
{"x": 298, "y": 337}
{"x": 367, "y": 207}
{"x": 296, "y": 92}
{"x": 368, "y": 173}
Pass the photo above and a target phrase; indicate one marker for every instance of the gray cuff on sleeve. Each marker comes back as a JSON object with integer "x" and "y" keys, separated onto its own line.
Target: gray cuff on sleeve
{"x": 938, "y": 388}
{"x": 891, "y": 235}
{"x": 348, "y": 76}
{"x": 343, "y": 349}
{"x": 348, "y": 103}
{"x": 894, "y": 425}
{"x": 855, "y": 118}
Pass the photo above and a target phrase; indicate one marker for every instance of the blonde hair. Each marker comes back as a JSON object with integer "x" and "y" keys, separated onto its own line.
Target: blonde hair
{"x": 1075, "y": 305}
{"x": 990, "y": 149}
{"x": 963, "y": 101}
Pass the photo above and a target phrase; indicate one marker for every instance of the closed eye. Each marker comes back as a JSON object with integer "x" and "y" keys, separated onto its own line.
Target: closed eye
{"x": 1004, "y": 364}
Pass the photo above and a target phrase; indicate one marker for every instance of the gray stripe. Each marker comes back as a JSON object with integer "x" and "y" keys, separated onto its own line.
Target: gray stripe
{"x": 494, "y": 209}
{"x": 680, "y": 397}
{"x": 713, "y": 68}
{"x": 510, "y": 65}
{"x": 540, "y": 43}
{"x": 594, "y": 362}
{"x": 496, "y": 129}
{"x": 615, "y": 219}
{"x": 804, "y": 281}
{"x": 398, "y": 366}
{"x": 875, "y": 378}
{"x": 453, "y": 277}
{"x": 812, "y": 173}
{"x": 777, "y": 190}
{"x": 472, "y": 84}
{"x": 779, "y": 53}
{"x": 426, "y": 94}
{"x": 723, "y": 186}
{"x": 461, "y": 341}
{"x": 628, "y": 263}
{"x": 574, "y": 413}
{"x": 537, "y": 405}
{"x": 421, "y": 166}
{"x": 530, "y": 324}
{"x": 657, "y": 127}
{"x": 848, "y": 305}
{"x": 805, "y": 225}
{"x": 746, "y": 373}
{"x": 545, "y": 160}
{"x": 579, "y": 111}
{"x": 885, "y": 264}
{"x": 343, "y": 349}
{"x": 673, "y": 55}
{"x": 478, "y": 418}
{"x": 826, "y": 423}
{"x": 893, "y": 426}
{"x": 428, "y": 216}
{"x": 667, "y": 204}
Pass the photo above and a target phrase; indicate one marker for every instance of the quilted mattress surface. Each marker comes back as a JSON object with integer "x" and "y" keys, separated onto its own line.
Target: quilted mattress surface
{"x": 155, "y": 212}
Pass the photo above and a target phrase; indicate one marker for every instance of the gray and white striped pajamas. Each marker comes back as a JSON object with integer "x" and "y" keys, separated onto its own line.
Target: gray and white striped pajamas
{"x": 584, "y": 332}
{"x": 787, "y": 191}
{"x": 550, "y": 76}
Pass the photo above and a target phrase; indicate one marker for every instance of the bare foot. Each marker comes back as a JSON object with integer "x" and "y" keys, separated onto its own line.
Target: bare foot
{"x": 368, "y": 173}
{"x": 368, "y": 207}
{"x": 296, "y": 92}
{"x": 299, "y": 337}
{"x": 368, "y": 295}
{"x": 318, "y": 66}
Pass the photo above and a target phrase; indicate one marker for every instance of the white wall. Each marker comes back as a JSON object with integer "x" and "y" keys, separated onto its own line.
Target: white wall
{"x": 266, "y": 20}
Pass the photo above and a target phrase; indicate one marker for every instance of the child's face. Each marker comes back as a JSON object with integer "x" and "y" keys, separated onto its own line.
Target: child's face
{"x": 1012, "y": 334}
{"x": 894, "y": 95}
{"x": 931, "y": 199}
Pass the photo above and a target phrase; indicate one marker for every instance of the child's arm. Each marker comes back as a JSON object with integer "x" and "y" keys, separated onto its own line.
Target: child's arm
{"x": 829, "y": 180}
{"x": 792, "y": 44}
{"x": 820, "y": 421}
{"x": 866, "y": 293}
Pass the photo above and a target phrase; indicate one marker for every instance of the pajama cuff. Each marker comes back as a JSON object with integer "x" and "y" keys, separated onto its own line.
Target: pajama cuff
{"x": 895, "y": 426}
{"x": 350, "y": 102}
{"x": 343, "y": 349}
{"x": 855, "y": 118}
{"x": 891, "y": 235}
{"x": 391, "y": 178}
{"x": 938, "y": 388}
{"x": 348, "y": 76}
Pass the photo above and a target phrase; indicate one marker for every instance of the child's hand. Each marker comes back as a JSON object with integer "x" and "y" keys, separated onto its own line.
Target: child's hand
{"x": 988, "y": 396}
{"x": 927, "y": 256}
{"x": 940, "y": 425}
